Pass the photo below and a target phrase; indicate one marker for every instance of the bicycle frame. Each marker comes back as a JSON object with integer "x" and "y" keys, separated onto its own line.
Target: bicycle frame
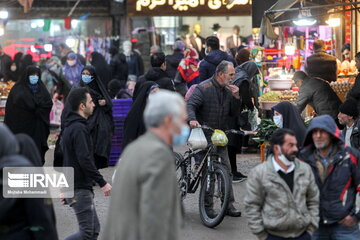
{"x": 193, "y": 182}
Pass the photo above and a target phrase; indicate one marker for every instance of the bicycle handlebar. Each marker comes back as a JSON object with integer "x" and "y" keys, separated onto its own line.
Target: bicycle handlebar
{"x": 233, "y": 131}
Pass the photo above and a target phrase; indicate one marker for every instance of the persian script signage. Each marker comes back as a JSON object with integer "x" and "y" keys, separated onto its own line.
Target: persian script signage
{"x": 189, "y": 7}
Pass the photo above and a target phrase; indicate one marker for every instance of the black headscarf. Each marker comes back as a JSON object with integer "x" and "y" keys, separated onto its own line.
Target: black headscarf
{"x": 28, "y": 149}
{"x": 292, "y": 120}
{"x": 244, "y": 75}
{"x": 101, "y": 67}
{"x": 100, "y": 123}
{"x": 28, "y": 111}
{"x": 134, "y": 123}
{"x": 22, "y": 218}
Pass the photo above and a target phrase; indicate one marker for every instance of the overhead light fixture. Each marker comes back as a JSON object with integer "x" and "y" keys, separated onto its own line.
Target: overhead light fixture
{"x": 4, "y": 14}
{"x": 334, "y": 20}
{"x": 305, "y": 19}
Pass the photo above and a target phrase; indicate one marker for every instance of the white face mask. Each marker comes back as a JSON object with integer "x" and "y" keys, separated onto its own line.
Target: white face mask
{"x": 127, "y": 49}
{"x": 278, "y": 121}
{"x": 71, "y": 62}
{"x": 284, "y": 159}
{"x": 13, "y": 68}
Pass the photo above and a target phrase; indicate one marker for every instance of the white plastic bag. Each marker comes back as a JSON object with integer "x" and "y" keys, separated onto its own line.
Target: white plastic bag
{"x": 197, "y": 139}
{"x": 254, "y": 119}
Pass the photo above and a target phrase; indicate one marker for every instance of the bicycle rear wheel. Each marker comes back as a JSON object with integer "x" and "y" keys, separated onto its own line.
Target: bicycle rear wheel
{"x": 214, "y": 196}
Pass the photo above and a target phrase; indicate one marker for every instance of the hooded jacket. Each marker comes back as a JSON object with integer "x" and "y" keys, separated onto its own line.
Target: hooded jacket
{"x": 172, "y": 63}
{"x": 159, "y": 76}
{"x": 320, "y": 96}
{"x": 209, "y": 63}
{"x": 341, "y": 177}
{"x": 78, "y": 152}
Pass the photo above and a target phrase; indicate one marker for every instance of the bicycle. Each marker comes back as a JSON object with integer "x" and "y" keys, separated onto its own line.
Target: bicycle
{"x": 213, "y": 176}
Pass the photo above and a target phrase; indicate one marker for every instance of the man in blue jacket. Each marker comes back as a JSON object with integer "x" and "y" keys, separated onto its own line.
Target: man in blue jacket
{"x": 214, "y": 56}
{"x": 337, "y": 174}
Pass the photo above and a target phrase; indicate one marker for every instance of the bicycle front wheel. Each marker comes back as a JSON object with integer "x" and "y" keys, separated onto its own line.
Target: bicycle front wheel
{"x": 214, "y": 196}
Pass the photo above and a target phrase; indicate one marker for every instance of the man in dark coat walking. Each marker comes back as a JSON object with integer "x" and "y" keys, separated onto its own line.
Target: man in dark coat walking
{"x": 78, "y": 153}
{"x": 157, "y": 72}
{"x": 28, "y": 109}
{"x": 213, "y": 58}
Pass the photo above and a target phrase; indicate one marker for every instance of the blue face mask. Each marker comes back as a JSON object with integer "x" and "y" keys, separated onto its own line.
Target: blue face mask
{"x": 86, "y": 78}
{"x": 182, "y": 137}
{"x": 33, "y": 79}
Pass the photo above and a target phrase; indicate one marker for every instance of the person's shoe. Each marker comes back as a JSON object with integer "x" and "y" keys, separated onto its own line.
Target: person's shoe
{"x": 239, "y": 175}
{"x": 211, "y": 213}
{"x": 238, "y": 179}
{"x": 233, "y": 212}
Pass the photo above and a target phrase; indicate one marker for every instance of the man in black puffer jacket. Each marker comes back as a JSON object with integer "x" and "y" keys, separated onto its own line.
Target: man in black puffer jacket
{"x": 212, "y": 103}
{"x": 337, "y": 174}
{"x": 157, "y": 72}
{"x": 213, "y": 58}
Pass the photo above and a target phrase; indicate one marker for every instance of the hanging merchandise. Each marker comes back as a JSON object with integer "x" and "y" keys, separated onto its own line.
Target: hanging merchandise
{"x": 67, "y": 23}
{"x": 47, "y": 23}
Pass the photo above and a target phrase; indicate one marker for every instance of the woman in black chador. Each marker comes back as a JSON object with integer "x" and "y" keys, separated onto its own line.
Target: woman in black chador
{"x": 100, "y": 123}
{"x": 28, "y": 109}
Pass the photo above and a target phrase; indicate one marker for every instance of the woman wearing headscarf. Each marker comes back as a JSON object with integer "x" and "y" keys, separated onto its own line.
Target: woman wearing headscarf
{"x": 28, "y": 108}
{"x": 188, "y": 70}
{"x": 52, "y": 76}
{"x": 26, "y": 60}
{"x": 22, "y": 218}
{"x": 10, "y": 71}
{"x": 100, "y": 123}
{"x": 244, "y": 79}
{"x": 101, "y": 67}
{"x": 286, "y": 115}
{"x": 134, "y": 124}
{"x": 72, "y": 69}
{"x": 17, "y": 60}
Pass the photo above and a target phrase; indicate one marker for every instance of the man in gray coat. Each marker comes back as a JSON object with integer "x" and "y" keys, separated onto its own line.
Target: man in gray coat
{"x": 282, "y": 198}
{"x": 145, "y": 203}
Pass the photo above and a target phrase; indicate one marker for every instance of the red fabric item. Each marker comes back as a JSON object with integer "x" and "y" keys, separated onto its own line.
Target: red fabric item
{"x": 189, "y": 65}
{"x": 67, "y": 23}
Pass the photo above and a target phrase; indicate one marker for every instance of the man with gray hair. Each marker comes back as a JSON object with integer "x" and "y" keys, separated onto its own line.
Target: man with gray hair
{"x": 145, "y": 203}
{"x": 212, "y": 103}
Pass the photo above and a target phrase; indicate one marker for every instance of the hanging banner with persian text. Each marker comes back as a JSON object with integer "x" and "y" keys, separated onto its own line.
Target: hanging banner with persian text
{"x": 189, "y": 7}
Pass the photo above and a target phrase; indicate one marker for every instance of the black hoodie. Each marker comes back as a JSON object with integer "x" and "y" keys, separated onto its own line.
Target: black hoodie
{"x": 172, "y": 63}
{"x": 78, "y": 152}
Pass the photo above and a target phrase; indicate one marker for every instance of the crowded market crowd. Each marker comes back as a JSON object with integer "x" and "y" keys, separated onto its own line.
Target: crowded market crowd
{"x": 306, "y": 188}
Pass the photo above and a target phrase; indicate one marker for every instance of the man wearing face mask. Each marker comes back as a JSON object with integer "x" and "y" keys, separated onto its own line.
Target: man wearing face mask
{"x": 212, "y": 59}
{"x": 282, "y": 199}
{"x": 337, "y": 174}
{"x": 145, "y": 189}
{"x": 212, "y": 103}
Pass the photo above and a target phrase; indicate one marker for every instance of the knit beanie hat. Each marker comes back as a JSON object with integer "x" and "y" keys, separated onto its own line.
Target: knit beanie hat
{"x": 349, "y": 107}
